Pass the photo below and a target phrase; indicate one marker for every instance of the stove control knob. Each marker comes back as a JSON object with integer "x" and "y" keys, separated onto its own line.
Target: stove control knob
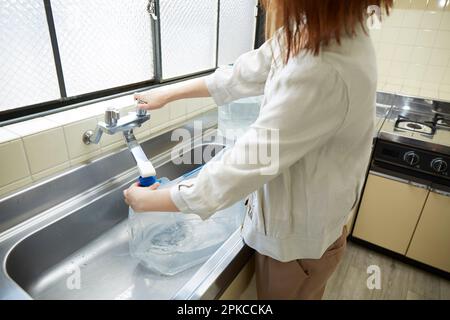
{"x": 439, "y": 165}
{"x": 411, "y": 158}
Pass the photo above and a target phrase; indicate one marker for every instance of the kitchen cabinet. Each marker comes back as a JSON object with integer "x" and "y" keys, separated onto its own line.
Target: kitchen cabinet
{"x": 431, "y": 241}
{"x": 240, "y": 286}
{"x": 389, "y": 211}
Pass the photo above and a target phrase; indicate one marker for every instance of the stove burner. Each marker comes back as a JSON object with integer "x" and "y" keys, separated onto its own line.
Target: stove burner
{"x": 404, "y": 123}
{"x": 443, "y": 122}
{"x": 414, "y": 126}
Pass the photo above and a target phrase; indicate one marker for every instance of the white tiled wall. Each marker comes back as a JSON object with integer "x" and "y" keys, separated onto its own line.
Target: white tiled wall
{"x": 38, "y": 148}
{"x": 413, "y": 49}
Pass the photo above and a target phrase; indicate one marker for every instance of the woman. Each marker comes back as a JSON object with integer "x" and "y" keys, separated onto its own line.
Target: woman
{"x": 318, "y": 76}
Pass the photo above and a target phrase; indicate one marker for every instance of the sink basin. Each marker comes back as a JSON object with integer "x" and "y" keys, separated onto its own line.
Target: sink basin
{"x": 79, "y": 249}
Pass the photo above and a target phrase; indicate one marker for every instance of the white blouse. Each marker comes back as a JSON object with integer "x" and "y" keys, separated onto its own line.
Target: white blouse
{"x": 319, "y": 112}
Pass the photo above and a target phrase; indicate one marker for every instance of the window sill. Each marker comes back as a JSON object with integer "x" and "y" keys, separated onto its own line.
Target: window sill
{"x": 38, "y": 148}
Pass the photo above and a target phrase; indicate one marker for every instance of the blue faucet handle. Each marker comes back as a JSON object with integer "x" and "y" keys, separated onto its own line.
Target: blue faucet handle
{"x": 147, "y": 182}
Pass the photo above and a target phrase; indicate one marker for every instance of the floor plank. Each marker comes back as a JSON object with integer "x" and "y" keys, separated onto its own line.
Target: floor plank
{"x": 399, "y": 281}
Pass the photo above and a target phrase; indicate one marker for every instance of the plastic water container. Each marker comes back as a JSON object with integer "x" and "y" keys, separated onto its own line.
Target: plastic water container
{"x": 169, "y": 243}
{"x": 236, "y": 117}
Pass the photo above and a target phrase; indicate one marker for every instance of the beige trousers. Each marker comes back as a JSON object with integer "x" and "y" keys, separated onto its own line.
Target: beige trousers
{"x": 303, "y": 279}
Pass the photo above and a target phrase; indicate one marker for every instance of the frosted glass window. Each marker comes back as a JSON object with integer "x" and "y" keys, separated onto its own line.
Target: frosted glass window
{"x": 27, "y": 68}
{"x": 103, "y": 43}
{"x": 236, "y": 29}
{"x": 188, "y": 36}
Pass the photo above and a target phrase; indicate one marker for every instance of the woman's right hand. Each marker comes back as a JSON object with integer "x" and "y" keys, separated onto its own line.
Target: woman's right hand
{"x": 151, "y": 100}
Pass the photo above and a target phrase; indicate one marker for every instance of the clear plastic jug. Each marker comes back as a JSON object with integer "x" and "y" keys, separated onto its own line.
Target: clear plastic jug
{"x": 236, "y": 117}
{"x": 169, "y": 243}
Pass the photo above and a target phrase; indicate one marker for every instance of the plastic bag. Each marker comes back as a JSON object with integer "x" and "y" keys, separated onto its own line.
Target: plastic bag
{"x": 169, "y": 243}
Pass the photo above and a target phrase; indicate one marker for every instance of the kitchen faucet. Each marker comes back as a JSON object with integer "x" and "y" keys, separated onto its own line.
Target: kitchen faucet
{"x": 113, "y": 124}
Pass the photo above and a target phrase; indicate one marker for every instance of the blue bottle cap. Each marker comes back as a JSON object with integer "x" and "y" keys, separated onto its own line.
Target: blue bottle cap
{"x": 147, "y": 182}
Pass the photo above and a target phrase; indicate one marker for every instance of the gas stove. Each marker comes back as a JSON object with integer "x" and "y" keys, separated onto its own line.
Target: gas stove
{"x": 415, "y": 136}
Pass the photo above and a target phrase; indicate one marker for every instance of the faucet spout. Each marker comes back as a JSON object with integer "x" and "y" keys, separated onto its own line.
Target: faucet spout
{"x": 144, "y": 165}
{"x": 113, "y": 124}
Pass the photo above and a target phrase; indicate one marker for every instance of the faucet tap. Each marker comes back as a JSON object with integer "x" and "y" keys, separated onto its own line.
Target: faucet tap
{"x": 113, "y": 124}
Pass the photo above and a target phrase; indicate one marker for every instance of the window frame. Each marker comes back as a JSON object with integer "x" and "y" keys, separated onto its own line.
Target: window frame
{"x": 66, "y": 103}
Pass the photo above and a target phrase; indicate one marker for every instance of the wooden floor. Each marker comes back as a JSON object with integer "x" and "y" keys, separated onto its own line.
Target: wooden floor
{"x": 398, "y": 280}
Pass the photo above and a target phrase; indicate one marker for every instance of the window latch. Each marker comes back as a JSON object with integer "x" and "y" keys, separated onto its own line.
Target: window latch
{"x": 151, "y": 9}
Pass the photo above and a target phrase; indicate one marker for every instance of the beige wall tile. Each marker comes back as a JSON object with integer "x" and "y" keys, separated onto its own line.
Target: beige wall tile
{"x": 29, "y": 127}
{"x": 403, "y": 53}
{"x": 390, "y": 34}
{"x": 445, "y": 21}
{"x": 392, "y": 88}
{"x": 421, "y": 55}
{"x": 419, "y": 4}
{"x": 395, "y": 18}
{"x": 46, "y": 150}
{"x": 434, "y": 74}
{"x": 383, "y": 67}
{"x": 402, "y": 4}
{"x": 194, "y": 105}
{"x": 440, "y": 57}
{"x": 446, "y": 78}
{"x": 15, "y": 186}
{"x": 398, "y": 69}
{"x": 411, "y": 91}
{"x": 394, "y": 80}
{"x": 113, "y": 147}
{"x": 412, "y": 18}
{"x": 407, "y": 36}
{"x": 84, "y": 158}
{"x": 50, "y": 172}
{"x": 429, "y": 93}
{"x": 67, "y": 117}
{"x": 444, "y": 95}
{"x": 13, "y": 162}
{"x": 386, "y": 51}
{"x": 416, "y": 72}
{"x": 412, "y": 83}
{"x": 431, "y": 20}
{"x": 443, "y": 39}
{"x": 426, "y": 38}
{"x": 73, "y": 134}
{"x": 159, "y": 116}
{"x": 6, "y": 135}
{"x": 177, "y": 109}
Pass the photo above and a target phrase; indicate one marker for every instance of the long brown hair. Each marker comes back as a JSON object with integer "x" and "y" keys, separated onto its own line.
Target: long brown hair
{"x": 311, "y": 24}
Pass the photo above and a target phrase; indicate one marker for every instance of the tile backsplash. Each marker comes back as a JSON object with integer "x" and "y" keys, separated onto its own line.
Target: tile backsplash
{"x": 413, "y": 49}
{"x": 36, "y": 149}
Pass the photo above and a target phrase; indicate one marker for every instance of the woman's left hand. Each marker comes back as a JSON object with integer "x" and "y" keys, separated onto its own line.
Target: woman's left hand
{"x": 148, "y": 199}
{"x": 136, "y": 196}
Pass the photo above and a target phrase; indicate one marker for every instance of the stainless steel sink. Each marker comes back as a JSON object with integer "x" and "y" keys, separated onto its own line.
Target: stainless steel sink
{"x": 85, "y": 238}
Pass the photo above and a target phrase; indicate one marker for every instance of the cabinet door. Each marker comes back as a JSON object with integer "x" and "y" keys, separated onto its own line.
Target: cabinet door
{"x": 389, "y": 213}
{"x": 431, "y": 241}
{"x": 240, "y": 285}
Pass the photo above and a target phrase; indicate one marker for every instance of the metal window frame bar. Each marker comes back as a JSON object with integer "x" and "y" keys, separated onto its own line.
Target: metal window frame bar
{"x": 55, "y": 47}
{"x": 156, "y": 33}
{"x": 260, "y": 26}
{"x": 217, "y": 33}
